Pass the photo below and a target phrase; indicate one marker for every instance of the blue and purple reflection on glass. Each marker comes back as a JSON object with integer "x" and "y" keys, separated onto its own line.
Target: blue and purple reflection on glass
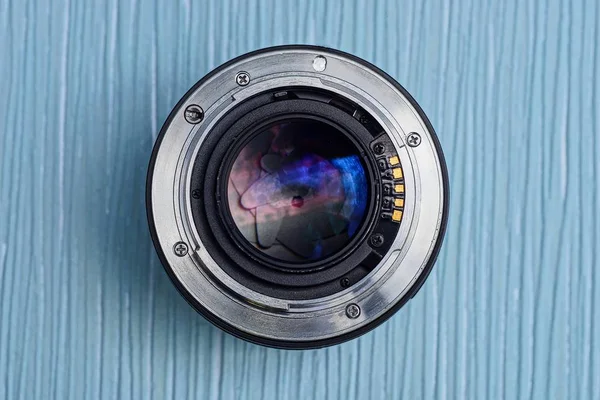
{"x": 297, "y": 205}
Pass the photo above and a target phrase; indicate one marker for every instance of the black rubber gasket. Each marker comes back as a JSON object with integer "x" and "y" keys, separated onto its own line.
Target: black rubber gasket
{"x": 246, "y": 267}
{"x": 285, "y": 344}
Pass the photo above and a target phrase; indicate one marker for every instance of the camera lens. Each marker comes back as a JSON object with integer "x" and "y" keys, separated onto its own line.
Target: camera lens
{"x": 297, "y": 196}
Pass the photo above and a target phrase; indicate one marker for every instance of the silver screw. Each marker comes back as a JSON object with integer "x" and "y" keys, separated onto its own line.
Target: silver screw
{"x": 180, "y": 249}
{"x": 242, "y": 78}
{"x": 193, "y": 114}
{"x": 352, "y": 311}
{"x": 413, "y": 139}
{"x": 319, "y": 63}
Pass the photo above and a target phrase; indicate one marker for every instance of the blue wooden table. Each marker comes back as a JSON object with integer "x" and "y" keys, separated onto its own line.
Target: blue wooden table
{"x": 512, "y": 308}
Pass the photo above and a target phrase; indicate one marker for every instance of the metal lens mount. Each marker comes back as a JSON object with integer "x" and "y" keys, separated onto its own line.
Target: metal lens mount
{"x": 297, "y": 196}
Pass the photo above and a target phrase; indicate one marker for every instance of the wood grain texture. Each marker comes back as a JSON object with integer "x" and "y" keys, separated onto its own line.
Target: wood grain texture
{"x": 511, "y": 309}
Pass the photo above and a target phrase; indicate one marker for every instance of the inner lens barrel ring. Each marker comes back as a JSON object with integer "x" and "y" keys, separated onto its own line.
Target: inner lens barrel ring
{"x": 317, "y": 279}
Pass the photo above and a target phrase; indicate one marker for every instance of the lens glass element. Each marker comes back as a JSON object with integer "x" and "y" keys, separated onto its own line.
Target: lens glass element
{"x": 297, "y": 191}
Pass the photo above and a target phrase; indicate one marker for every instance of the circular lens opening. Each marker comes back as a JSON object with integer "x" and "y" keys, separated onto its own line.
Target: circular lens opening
{"x": 297, "y": 190}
